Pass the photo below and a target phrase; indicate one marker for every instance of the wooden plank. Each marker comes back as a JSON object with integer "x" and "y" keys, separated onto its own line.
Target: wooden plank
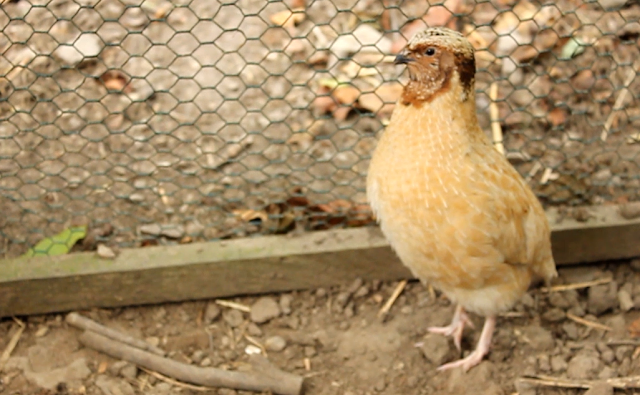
{"x": 258, "y": 265}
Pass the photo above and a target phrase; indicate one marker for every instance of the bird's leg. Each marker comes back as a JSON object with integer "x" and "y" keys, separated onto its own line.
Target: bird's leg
{"x": 455, "y": 328}
{"x": 481, "y": 349}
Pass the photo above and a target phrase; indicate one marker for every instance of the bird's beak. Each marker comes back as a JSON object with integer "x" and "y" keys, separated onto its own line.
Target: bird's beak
{"x": 403, "y": 59}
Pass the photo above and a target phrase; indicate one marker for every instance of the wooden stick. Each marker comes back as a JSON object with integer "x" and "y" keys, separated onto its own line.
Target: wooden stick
{"x": 567, "y": 287}
{"x": 262, "y": 377}
{"x": 494, "y": 112}
{"x": 588, "y": 323}
{"x": 396, "y": 292}
{"x": 175, "y": 382}
{"x": 81, "y": 322}
{"x": 233, "y": 305}
{"x": 622, "y": 94}
{"x": 12, "y": 343}
{"x": 548, "y": 381}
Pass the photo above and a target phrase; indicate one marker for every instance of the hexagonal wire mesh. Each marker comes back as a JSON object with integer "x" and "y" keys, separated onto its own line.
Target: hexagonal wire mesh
{"x": 157, "y": 121}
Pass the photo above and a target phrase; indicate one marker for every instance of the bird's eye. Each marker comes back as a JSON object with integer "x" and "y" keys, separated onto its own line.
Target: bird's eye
{"x": 430, "y": 51}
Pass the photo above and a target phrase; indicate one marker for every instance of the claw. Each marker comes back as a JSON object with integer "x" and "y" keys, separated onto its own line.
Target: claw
{"x": 481, "y": 349}
{"x": 455, "y": 329}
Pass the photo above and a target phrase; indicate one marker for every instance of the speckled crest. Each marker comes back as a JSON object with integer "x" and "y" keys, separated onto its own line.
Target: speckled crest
{"x": 441, "y": 36}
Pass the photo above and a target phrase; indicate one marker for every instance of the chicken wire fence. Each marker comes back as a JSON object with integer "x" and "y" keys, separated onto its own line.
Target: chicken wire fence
{"x": 162, "y": 121}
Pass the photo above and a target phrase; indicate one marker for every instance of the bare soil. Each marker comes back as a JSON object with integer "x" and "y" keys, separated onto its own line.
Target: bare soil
{"x": 348, "y": 349}
{"x": 187, "y": 116}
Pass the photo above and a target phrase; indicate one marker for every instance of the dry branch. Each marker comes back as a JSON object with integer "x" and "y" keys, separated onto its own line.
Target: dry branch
{"x": 622, "y": 94}
{"x": 78, "y": 321}
{"x": 262, "y": 377}
{"x": 396, "y": 292}
{"x": 548, "y": 381}
{"x": 12, "y": 344}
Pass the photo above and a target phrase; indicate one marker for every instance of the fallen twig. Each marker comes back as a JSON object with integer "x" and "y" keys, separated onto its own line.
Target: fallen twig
{"x": 262, "y": 377}
{"x": 568, "y": 287}
{"x": 548, "y": 381}
{"x": 81, "y": 322}
{"x": 233, "y": 305}
{"x": 12, "y": 344}
{"x": 635, "y": 343}
{"x": 396, "y": 292}
{"x": 175, "y": 382}
{"x": 622, "y": 94}
{"x": 588, "y": 323}
{"x": 494, "y": 112}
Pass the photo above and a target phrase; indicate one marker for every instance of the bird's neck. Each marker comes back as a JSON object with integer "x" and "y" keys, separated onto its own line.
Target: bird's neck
{"x": 450, "y": 118}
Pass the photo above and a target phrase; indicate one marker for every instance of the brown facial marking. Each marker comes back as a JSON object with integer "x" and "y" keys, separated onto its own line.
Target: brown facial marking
{"x": 433, "y": 57}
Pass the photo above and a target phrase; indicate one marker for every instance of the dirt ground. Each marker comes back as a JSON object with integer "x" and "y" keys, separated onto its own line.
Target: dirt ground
{"x": 349, "y": 351}
{"x": 172, "y": 121}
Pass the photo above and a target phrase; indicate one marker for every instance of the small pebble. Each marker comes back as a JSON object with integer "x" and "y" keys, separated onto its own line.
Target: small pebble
{"x": 206, "y": 362}
{"x": 623, "y": 352}
{"x": 635, "y": 265}
{"x": 600, "y": 388}
{"x": 129, "y": 371}
{"x": 233, "y": 318}
{"x": 554, "y": 314}
{"x": 153, "y": 340}
{"x": 105, "y": 252}
{"x": 606, "y": 373}
{"x": 584, "y": 365}
{"x": 211, "y": 313}
{"x": 602, "y": 298}
{"x": 543, "y": 363}
{"x": 361, "y": 292}
{"x": 275, "y": 343}
{"x": 321, "y": 293}
{"x": 380, "y": 385}
{"x": 285, "y": 304}
{"x": 254, "y": 330}
{"x": 310, "y": 351}
{"x": 197, "y": 356}
{"x": 264, "y": 309}
{"x": 539, "y": 338}
{"x": 571, "y": 330}
{"x": 558, "y": 364}
{"x": 625, "y": 300}
{"x": 406, "y": 310}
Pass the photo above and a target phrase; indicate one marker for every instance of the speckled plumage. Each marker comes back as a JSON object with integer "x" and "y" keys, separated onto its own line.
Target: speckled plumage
{"x": 452, "y": 207}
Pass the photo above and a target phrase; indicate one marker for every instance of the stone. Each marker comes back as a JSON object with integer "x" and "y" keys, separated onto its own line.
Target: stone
{"x": 600, "y": 388}
{"x": 264, "y": 310}
{"x": 584, "y": 365}
{"x": 275, "y": 343}
{"x": 602, "y": 298}
{"x": 285, "y": 304}
{"x": 435, "y": 348}
{"x": 539, "y": 338}
{"x": 233, "y": 318}
{"x": 111, "y": 386}
{"x": 211, "y": 313}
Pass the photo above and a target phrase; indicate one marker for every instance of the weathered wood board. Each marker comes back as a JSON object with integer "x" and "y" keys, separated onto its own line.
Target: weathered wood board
{"x": 259, "y": 265}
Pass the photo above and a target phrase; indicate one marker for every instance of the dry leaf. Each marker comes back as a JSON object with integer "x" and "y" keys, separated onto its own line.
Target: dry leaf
{"x": 557, "y": 116}
{"x": 114, "y": 80}
{"x": 346, "y": 94}
{"x": 288, "y": 18}
{"x": 634, "y": 328}
{"x": 251, "y": 215}
{"x": 583, "y": 81}
{"x": 341, "y": 113}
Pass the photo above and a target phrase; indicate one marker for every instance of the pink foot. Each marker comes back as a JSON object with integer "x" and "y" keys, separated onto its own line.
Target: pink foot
{"x": 455, "y": 329}
{"x": 481, "y": 349}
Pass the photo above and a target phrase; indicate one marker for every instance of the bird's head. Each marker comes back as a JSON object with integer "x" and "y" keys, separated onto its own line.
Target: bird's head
{"x": 436, "y": 57}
